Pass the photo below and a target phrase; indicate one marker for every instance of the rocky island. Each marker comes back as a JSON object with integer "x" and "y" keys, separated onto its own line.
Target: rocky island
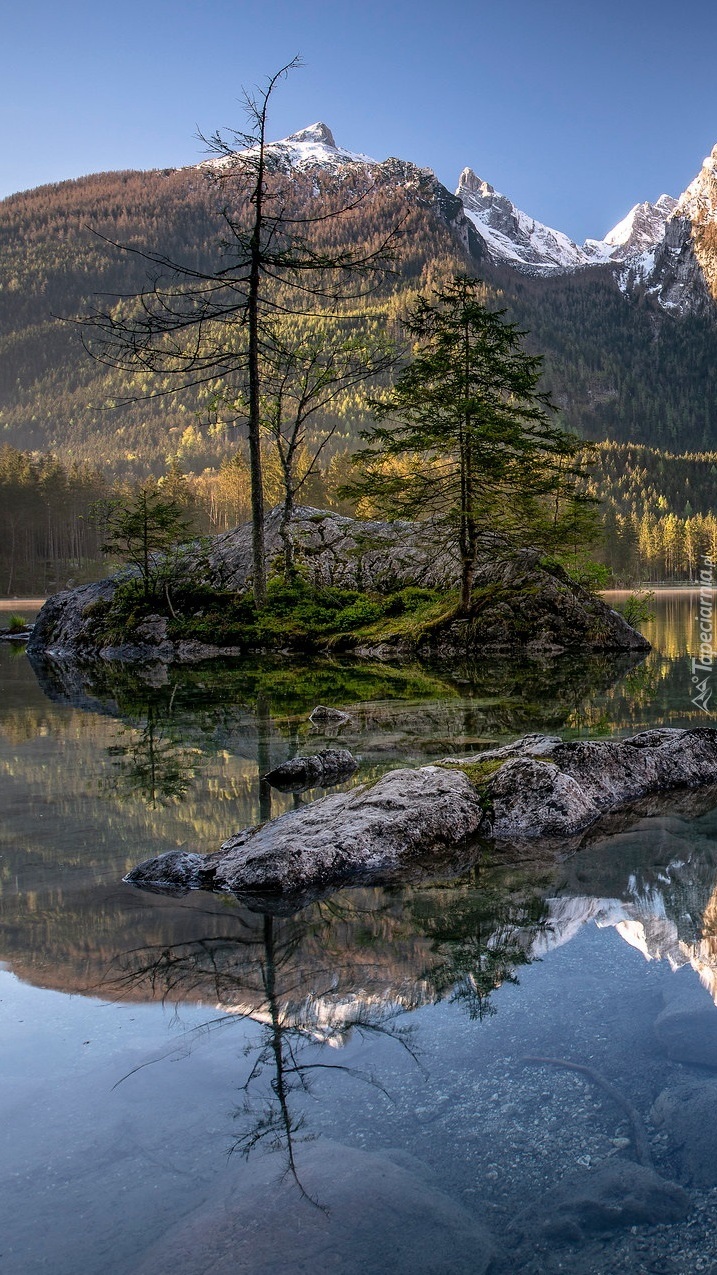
{"x": 376, "y": 589}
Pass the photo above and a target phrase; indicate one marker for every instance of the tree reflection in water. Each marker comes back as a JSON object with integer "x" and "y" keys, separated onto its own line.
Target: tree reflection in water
{"x": 289, "y": 1051}
{"x": 337, "y": 970}
{"x": 481, "y": 936}
{"x": 153, "y": 764}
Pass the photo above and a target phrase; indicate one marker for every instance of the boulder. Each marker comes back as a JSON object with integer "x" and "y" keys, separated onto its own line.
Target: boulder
{"x": 686, "y": 1029}
{"x": 361, "y": 1214}
{"x": 348, "y": 836}
{"x": 521, "y": 603}
{"x": 546, "y": 787}
{"x": 323, "y": 769}
{"x": 688, "y": 1115}
{"x": 325, "y": 716}
{"x": 616, "y": 1195}
{"x": 538, "y": 789}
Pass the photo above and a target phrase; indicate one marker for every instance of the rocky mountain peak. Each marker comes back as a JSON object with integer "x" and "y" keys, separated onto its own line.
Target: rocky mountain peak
{"x": 683, "y": 273}
{"x": 699, "y": 201}
{"x": 470, "y": 183}
{"x": 318, "y": 132}
{"x": 641, "y": 231}
{"x": 511, "y": 235}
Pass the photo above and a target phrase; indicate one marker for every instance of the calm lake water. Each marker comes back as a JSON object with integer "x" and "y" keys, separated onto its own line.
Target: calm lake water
{"x": 191, "y": 1086}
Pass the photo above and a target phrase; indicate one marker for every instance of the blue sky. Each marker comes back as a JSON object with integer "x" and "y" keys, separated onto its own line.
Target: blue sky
{"x": 576, "y": 114}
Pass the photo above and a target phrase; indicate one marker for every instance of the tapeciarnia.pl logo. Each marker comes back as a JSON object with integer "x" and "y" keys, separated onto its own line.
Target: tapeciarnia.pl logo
{"x": 702, "y": 666}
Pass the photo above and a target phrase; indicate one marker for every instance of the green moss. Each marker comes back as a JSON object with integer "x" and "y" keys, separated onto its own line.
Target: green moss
{"x": 477, "y": 771}
{"x": 297, "y": 614}
{"x": 410, "y": 615}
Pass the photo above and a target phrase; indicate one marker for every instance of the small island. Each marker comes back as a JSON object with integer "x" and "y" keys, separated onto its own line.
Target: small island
{"x": 374, "y": 589}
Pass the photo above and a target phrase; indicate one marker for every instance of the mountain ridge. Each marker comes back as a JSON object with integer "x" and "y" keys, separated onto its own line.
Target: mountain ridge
{"x": 630, "y": 343}
{"x": 654, "y": 248}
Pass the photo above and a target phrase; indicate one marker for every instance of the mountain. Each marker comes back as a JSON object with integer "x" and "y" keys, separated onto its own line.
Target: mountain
{"x": 512, "y": 236}
{"x": 666, "y": 250}
{"x": 640, "y": 231}
{"x": 627, "y": 323}
{"x": 683, "y": 274}
{"x": 311, "y": 147}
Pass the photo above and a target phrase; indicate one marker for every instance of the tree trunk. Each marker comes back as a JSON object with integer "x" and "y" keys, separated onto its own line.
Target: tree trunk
{"x": 468, "y": 570}
{"x": 257, "y": 489}
{"x": 257, "y": 486}
{"x": 285, "y": 533}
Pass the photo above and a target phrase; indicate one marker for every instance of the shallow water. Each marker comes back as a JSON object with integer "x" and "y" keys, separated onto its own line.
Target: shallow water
{"x": 148, "y": 1037}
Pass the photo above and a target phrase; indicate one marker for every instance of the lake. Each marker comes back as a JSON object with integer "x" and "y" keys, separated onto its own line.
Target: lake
{"x": 379, "y": 1081}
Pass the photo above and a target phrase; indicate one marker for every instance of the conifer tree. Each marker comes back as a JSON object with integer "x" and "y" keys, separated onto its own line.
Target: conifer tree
{"x": 466, "y": 413}
{"x": 144, "y": 528}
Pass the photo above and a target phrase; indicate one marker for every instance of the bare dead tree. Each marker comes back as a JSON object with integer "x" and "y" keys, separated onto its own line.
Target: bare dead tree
{"x": 207, "y": 327}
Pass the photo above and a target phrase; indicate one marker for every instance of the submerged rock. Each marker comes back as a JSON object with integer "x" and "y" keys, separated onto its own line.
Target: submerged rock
{"x": 361, "y": 1214}
{"x": 538, "y": 789}
{"x": 323, "y": 769}
{"x": 688, "y": 1115}
{"x": 686, "y": 1029}
{"x": 618, "y": 1194}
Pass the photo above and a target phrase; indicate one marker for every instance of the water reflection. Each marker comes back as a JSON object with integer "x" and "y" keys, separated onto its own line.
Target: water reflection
{"x": 381, "y": 1018}
{"x": 122, "y": 766}
{"x": 152, "y": 762}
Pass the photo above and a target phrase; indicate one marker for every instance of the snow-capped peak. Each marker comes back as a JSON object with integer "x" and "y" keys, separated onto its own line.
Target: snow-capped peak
{"x": 511, "y": 235}
{"x": 309, "y": 148}
{"x": 315, "y": 147}
{"x": 318, "y": 132}
{"x": 639, "y": 232}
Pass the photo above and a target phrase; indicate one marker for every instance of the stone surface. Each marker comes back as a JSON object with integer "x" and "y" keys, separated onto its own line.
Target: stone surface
{"x": 323, "y": 715}
{"x": 686, "y": 1029}
{"x": 688, "y": 1115}
{"x": 375, "y": 1216}
{"x": 179, "y": 870}
{"x": 618, "y": 1194}
{"x": 521, "y": 604}
{"x": 406, "y": 815}
{"x": 328, "y": 766}
{"x": 547, "y": 787}
{"x": 543, "y": 789}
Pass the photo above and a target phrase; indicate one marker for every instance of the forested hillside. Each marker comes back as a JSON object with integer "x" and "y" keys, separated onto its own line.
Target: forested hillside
{"x": 619, "y": 369}
{"x": 55, "y": 261}
{"x": 658, "y": 511}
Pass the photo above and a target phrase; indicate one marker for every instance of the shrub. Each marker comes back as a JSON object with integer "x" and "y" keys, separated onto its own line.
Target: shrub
{"x": 637, "y": 609}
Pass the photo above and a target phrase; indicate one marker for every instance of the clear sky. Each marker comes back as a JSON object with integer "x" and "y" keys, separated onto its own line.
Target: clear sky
{"x": 576, "y": 113}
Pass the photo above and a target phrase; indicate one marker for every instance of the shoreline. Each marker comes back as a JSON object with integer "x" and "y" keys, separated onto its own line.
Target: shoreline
{"x": 21, "y": 604}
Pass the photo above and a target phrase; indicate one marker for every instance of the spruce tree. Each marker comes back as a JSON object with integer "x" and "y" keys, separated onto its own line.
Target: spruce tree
{"x": 469, "y": 438}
